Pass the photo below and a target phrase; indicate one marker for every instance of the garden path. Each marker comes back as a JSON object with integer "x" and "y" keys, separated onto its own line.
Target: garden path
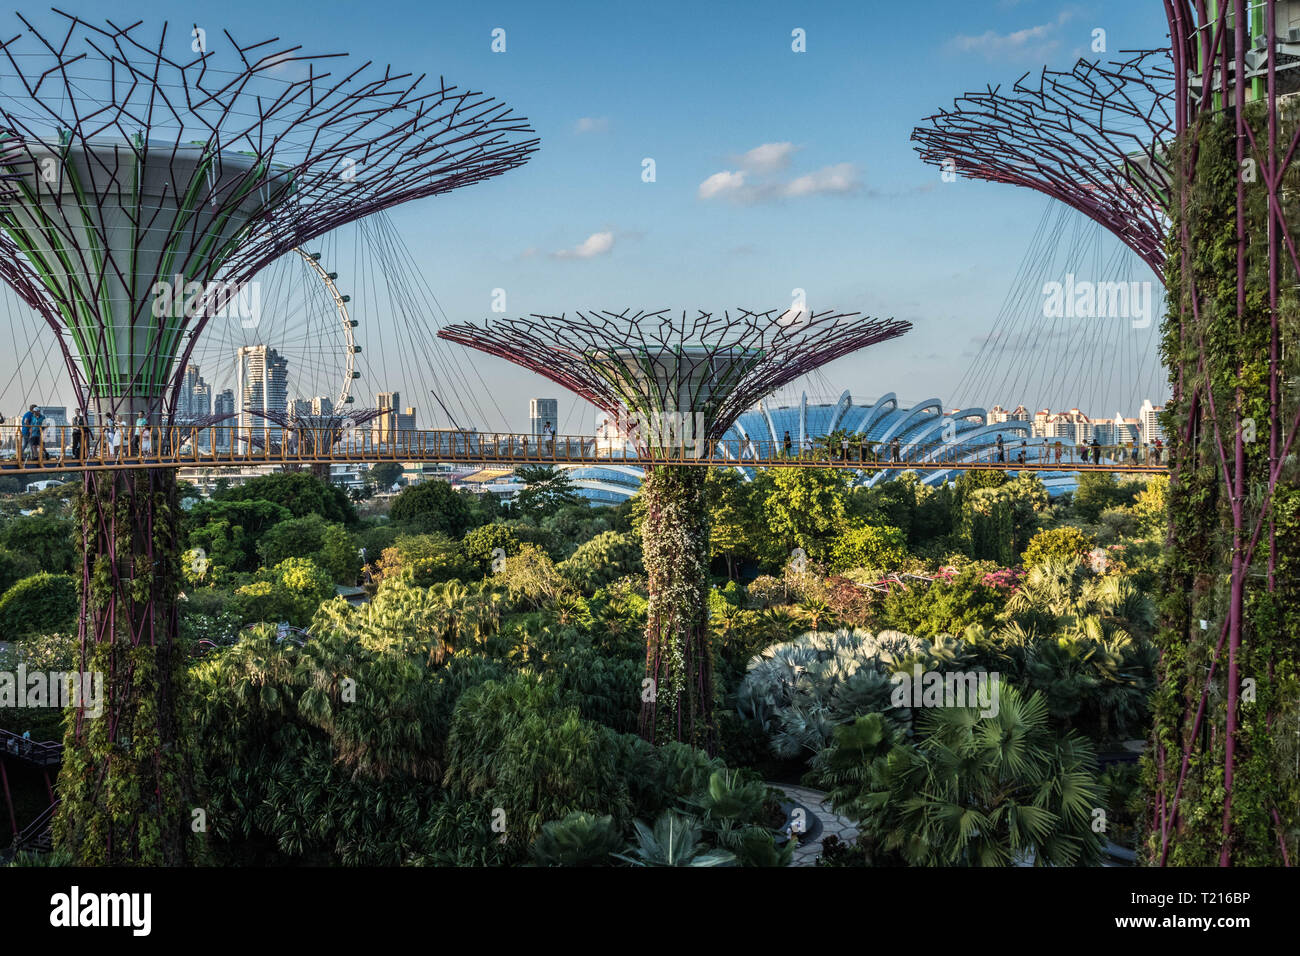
{"x": 805, "y": 854}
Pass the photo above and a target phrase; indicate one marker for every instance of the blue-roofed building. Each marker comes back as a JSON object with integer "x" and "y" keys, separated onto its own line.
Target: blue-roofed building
{"x": 918, "y": 429}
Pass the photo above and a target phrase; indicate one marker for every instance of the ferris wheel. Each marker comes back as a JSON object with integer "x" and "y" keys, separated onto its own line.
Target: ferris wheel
{"x": 290, "y": 326}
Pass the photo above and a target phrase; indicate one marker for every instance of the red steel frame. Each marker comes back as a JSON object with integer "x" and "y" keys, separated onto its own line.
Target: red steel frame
{"x": 1090, "y": 137}
{"x": 1209, "y": 50}
{"x": 736, "y": 357}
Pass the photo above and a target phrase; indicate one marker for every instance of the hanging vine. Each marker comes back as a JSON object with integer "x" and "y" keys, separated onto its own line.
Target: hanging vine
{"x": 677, "y": 704}
{"x": 1217, "y": 350}
{"x": 125, "y": 781}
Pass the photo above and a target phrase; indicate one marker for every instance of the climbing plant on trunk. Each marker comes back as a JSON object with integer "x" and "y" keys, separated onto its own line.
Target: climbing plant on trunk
{"x": 125, "y": 779}
{"x": 677, "y": 701}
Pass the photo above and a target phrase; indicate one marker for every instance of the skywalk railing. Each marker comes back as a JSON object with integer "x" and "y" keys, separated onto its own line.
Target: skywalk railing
{"x": 72, "y": 448}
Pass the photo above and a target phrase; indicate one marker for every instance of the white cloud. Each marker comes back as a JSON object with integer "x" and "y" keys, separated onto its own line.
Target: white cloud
{"x": 1036, "y": 42}
{"x": 591, "y": 124}
{"x": 840, "y": 178}
{"x": 597, "y": 244}
{"x": 758, "y": 179}
{"x": 723, "y": 182}
{"x": 768, "y": 158}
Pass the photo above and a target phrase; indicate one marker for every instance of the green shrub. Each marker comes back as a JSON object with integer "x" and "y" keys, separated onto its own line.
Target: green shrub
{"x": 1096, "y": 491}
{"x": 40, "y": 604}
{"x": 291, "y": 591}
{"x": 327, "y": 544}
{"x": 943, "y": 606}
{"x": 602, "y": 559}
{"x": 1058, "y": 545}
{"x": 515, "y": 748}
{"x": 229, "y": 532}
{"x": 863, "y": 545}
{"x": 299, "y": 492}
{"x": 483, "y": 544}
{"x": 14, "y": 566}
{"x": 605, "y": 689}
{"x": 52, "y": 542}
{"x": 580, "y": 839}
{"x": 432, "y": 506}
{"x": 422, "y": 560}
{"x": 39, "y": 652}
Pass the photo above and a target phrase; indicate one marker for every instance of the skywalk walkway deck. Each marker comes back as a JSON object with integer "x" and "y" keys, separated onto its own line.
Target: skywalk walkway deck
{"x": 178, "y": 447}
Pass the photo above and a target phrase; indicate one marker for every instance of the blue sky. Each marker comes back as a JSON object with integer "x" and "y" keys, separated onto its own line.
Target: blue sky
{"x": 775, "y": 170}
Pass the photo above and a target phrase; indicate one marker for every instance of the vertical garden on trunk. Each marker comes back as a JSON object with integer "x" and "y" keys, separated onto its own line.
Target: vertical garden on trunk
{"x": 1212, "y": 710}
{"x": 677, "y": 704}
{"x": 125, "y": 780}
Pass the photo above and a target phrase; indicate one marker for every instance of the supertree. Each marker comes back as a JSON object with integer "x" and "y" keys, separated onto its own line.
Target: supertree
{"x": 677, "y": 381}
{"x": 1092, "y": 137}
{"x": 1227, "y": 724}
{"x": 147, "y": 188}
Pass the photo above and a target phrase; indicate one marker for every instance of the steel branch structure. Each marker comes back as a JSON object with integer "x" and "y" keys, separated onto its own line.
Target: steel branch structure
{"x": 143, "y": 190}
{"x": 1092, "y": 137}
{"x": 678, "y": 380}
{"x": 1227, "y": 736}
{"x": 135, "y": 168}
{"x": 662, "y": 363}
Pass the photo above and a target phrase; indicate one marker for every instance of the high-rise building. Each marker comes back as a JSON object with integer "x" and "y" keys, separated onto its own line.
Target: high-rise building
{"x": 195, "y": 398}
{"x": 540, "y": 412}
{"x": 1150, "y": 418}
{"x": 263, "y": 387}
{"x": 223, "y": 406}
{"x": 1119, "y": 430}
{"x": 320, "y": 405}
{"x": 301, "y": 407}
{"x": 1072, "y": 426}
{"x": 384, "y": 429}
{"x": 1041, "y": 421}
{"x": 406, "y": 421}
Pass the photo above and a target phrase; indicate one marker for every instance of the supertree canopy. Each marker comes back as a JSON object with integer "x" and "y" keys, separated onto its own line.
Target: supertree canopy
{"x": 680, "y": 381}
{"x": 144, "y": 189}
{"x": 1227, "y": 717}
{"x": 132, "y": 169}
{"x": 1092, "y": 137}
{"x": 713, "y": 365}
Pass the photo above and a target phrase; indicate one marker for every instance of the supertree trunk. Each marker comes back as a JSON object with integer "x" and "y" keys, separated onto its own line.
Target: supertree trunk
{"x": 124, "y": 781}
{"x": 1225, "y": 788}
{"x": 679, "y": 659}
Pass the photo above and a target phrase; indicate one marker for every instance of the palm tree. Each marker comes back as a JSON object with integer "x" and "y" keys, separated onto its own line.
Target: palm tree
{"x": 779, "y": 623}
{"x": 976, "y": 791}
{"x": 815, "y": 610}
{"x": 725, "y": 620}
